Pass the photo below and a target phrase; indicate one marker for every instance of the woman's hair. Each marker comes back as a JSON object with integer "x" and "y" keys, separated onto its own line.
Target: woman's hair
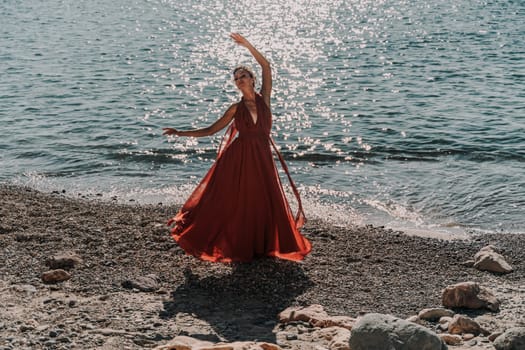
{"x": 247, "y": 70}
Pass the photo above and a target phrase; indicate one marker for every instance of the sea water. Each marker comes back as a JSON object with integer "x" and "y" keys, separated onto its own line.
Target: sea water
{"x": 403, "y": 113}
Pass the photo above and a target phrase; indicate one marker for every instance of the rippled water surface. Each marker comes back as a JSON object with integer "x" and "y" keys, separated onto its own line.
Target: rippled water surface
{"x": 408, "y": 114}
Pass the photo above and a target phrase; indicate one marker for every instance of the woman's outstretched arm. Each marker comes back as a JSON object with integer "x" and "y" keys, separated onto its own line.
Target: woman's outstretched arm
{"x": 210, "y": 130}
{"x": 266, "y": 89}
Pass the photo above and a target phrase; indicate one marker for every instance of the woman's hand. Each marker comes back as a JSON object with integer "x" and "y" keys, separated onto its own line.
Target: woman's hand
{"x": 239, "y": 39}
{"x": 170, "y": 131}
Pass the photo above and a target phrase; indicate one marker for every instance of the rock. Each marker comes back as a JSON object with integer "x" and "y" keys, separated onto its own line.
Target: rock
{"x": 109, "y": 332}
{"x": 468, "y": 336}
{"x": 26, "y": 327}
{"x": 469, "y": 295}
{"x": 414, "y": 319}
{"x": 316, "y": 316}
{"x": 511, "y": 339}
{"x": 445, "y": 319}
{"x": 144, "y": 284}
{"x": 54, "y": 276}
{"x": 335, "y": 321}
{"x": 451, "y": 339}
{"x": 494, "y": 335}
{"x": 304, "y": 314}
{"x": 469, "y": 263}
{"x": 6, "y": 229}
{"x": 24, "y": 288}
{"x": 378, "y": 331}
{"x": 443, "y": 327}
{"x": 188, "y": 343}
{"x": 64, "y": 340}
{"x": 435, "y": 314}
{"x": 291, "y": 336}
{"x": 488, "y": 259}
{"x": 64, "y": 261}
{"x": 461, "y": 324}
{"x": 337, "y": 337}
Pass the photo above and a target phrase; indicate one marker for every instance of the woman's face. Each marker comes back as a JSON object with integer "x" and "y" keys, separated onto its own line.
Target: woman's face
{"x": 243, "y": 79}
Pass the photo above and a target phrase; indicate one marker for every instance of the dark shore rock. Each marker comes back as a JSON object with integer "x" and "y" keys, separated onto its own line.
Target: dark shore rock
{"x": 55, "y": 276}
{"x": 512, "y": 339}
{"x": 378, "y": 331}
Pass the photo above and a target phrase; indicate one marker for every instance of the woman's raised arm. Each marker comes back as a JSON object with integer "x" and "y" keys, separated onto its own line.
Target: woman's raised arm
{"x": 266, "y": 88}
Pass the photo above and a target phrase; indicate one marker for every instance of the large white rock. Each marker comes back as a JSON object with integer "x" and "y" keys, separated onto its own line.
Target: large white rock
{"x": 488, "y": 259}
{"x": 386, "y": 332}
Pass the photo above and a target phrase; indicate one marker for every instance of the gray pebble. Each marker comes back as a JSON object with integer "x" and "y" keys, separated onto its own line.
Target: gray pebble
{"x": 290, "y": 336}
{"x": 50, "y": 343}
{"x": 25, "y": 328}
{"x": 64, "y": 340}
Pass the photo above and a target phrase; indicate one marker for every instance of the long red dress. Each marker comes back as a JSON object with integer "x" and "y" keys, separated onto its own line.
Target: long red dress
{"x": 239, "y": 210}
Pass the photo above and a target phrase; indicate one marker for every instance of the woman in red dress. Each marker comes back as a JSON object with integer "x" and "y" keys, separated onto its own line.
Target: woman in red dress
{"x": 239, "y": 210}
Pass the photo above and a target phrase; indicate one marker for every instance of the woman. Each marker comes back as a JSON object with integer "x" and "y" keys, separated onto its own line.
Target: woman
{"x": 239, "y": 210}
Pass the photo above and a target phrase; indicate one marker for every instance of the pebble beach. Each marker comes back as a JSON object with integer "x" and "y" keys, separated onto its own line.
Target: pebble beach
{"x": 351, "y": 271}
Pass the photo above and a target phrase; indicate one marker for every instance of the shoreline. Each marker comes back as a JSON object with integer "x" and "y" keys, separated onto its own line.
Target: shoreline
{"x": 323, "y": 214}
{"x": 351, "y": 271}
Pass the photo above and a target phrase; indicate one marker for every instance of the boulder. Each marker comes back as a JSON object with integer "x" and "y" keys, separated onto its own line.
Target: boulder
{"x": 488, "y": 259}
{"x": 461, "y": 324}
{"x": 55, "y": 276}
{"x": 316, "y": 316}
{"x": 469, "y": 295}
{"x": 511, "y": 339}
{"x": 386, "y": 332}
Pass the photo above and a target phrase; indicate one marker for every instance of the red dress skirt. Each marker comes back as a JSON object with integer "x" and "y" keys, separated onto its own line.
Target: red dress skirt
{"x": 239, "y": 210}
